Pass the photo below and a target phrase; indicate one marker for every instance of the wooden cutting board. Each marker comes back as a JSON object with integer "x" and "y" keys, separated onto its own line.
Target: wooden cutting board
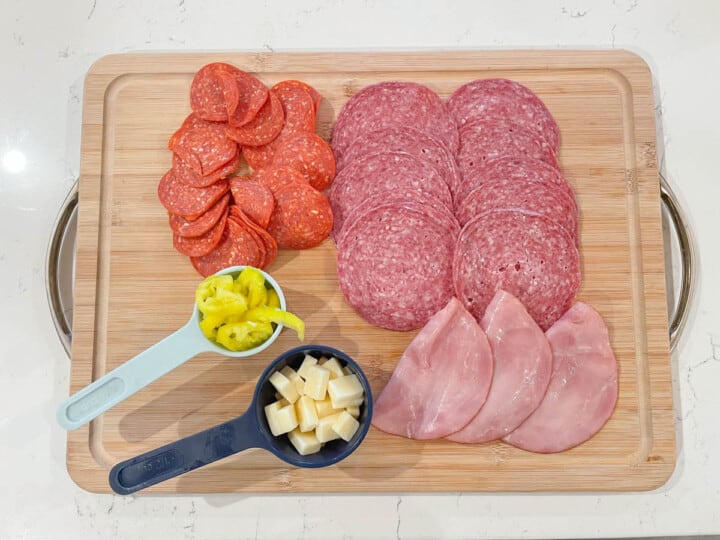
{"x": 132, "y": 289}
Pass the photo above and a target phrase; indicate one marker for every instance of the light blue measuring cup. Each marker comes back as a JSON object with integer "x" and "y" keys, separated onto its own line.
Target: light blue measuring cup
{"x": 151, "y": 364}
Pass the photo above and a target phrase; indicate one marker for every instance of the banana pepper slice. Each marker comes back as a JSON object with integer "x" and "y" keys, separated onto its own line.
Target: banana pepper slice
{"x": 277, "y": 316}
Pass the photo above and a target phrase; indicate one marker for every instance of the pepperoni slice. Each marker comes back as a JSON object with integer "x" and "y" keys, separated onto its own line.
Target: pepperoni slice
{"x": 187, "y": 175}
{"x": 259, "y": 156}
{"x": 192, "y": 121}
{"x": 311, "y": 156}
{"x": 203, "y": 244}
{"x": 236, "y": 247}
{"x": 205, "y": 149}
{"x": 187, "y": 201}
{"x": 292, "y": 83}
{"x": 207, "y": 97}
{"x": 266, "y": 125}
{"x": 277, "y": 177}
{"x": 298, "y": 106}
{"x": 270, "y": 246}
{"x": 302, "y": 217}
{"x": 192, "y": 229}
{"x": 252, "y": 95}
{"x": 254, "y": 199}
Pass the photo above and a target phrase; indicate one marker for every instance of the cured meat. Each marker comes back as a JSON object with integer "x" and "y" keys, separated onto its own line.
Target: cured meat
{"x": 405, "y": 139}
{"x": 277, "y": 177}
{"x": 503, "y": 98}
{"x": 237, "y": 247}
{"x": 259, "y": 157}
{"x": 302, "y": 217}
{"x": 207, "y": 98}
{"x": 298, "y": 106}
{"x": 523, "y": 363}
{"x": 252, "y": 95}
{"x": 395, "y": 265}
{"x": 267, "y": 242}
{"x": 484, "y": 140}
{"x": 525, "y": 254}
{"x": 393, "y": 103}
{"x": 538, "y": 197}
{"x": 187, "y": 175}
{"x": 187, "y": 201}
{"x": 262, "y": 129}
{"x": 191, "y": 229}
{"x": 384, "y": 172}
{"x": 310, "y": 155}
{"x": 583, "y": 386}
{"x": 203, "y": 244}
{"x": 441, "y": 380}
{"x": 254, "y": 199}
{"x": 511, "y": 169}
{"x": 314, "y": 94}
{"x": 206, "y": 149}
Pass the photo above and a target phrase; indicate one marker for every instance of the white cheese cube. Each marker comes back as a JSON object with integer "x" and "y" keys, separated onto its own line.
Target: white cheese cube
{"x": 294, "y": 378}
{"x": 281, "y": 418}
{"x": 306, "y": 413}
{"x": 283, "y": 385}
{"x": 345, "y": 391}
{"x": 316, "y": 382}
{"x": 306, "y": 363}
{"x": 345, "y": 426}
{"x": 353, "y": 410}
{"x": 334, "y": 367}
{"x": 325, "y": 408}
{"x": 324, "y": 430}
{"x": 304, "y": 443}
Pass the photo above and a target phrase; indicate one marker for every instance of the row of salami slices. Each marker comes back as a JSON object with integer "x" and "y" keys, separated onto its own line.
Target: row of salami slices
{"x": 461, "y": 198}
{"x": 220, "y": 219}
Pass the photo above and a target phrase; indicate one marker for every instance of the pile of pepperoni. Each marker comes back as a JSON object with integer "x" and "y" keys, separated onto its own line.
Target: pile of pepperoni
{"x": 219, "y": 219}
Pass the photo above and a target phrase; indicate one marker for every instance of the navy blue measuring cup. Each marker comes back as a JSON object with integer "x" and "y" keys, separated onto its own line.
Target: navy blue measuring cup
{"x": 249, "y": 430}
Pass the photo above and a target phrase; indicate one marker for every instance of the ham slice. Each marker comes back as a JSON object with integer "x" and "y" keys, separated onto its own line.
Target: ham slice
{"x": 441, "y": 380}
{"x": 583, "y": 387}
{"x": 523, "y": 363}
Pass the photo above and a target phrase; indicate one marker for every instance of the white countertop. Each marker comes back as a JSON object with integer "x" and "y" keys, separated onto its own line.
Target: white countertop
{"x": 46, "y": 50}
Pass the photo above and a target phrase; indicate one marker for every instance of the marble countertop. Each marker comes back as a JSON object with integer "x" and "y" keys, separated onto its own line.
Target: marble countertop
{"x": 46, "y": 50}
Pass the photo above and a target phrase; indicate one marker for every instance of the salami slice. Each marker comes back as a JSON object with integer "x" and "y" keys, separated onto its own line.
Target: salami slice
{"x": 207, "y": 98}
{"x": 206, "y": 149}
{"x": 277, "y": 177}
{"x": 310, "y": 155}
{"x": 263, "y": 128}
{"x": 203, "y": 244}
{"x": 192, "y": 229}
{"x": 236, "y": 247}
{"x": 188, "y": 176}
{"x": 268, "y": 242}
{"x": 384, "y": 172}
{"x": 483, "y": 141}
{"x": 404, "y": 139}
{"x": 395, "y": 266}
{"x": 254, "y": 199}
{"x": 525, "y": 254}
{"x": 393, "y": 103}
{"x": 187, "y": 201}
{"x": 302, "y": 218}
{"x": 488, "y": 99}
{"x": 537, "y": 197}
{"x": 511, "y": 169}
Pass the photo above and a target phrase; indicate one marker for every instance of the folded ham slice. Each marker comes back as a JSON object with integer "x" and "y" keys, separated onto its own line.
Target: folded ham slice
{"x": 523, "y": 363}
{"x": 583, "y": 387}
{"x": 441, "y": 380}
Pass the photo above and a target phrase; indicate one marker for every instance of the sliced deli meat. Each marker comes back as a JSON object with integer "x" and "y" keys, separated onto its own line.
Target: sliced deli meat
{"x": 255, "y": 199}
{"x": 251, "y": 94}
{"x": 583, "y": 386}
{"x": 302, "y": 217}
{"x": 187, "y": 201}
{"x": 201, "y": 245}
{"x": 205, "y": 148}
{"x": 526, "y": 254}
{"x": 503, "y": 98}
{"x": 275, "y": 177}
{"x": 237, "y": 247}
{"x": 201, "y": 225}
{"x": 262, "y": 129}
{"x": 441, "y": 380}
{"x": 393, "y": 103}
{"x": 523, "y": 363}
{"x": 310, "y": 155}
{"x": 208, "y": 99}
{"x": 187, "y": 175}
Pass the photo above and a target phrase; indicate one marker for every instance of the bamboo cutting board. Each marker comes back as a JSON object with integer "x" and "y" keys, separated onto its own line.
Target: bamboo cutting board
{"x": 132, "y": 289}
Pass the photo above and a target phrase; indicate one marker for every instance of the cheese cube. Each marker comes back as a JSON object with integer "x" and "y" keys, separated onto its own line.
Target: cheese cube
{"x": 281, "y": 418}
{"x": 345, "y": 391}
{"x": 283, "y": 385}
{"x": 316, "y": 382}
{"x": 353, "y": 410}
{"x": 324, "y": 430}
{"x": 306, "y": 413}
{"x": 294, "y": 378}
{"x": 304, "y": 443}
{"x": 334, "y": 367}
{"x": 345, "y": 426}
{"x": 306, "y": 363}
{"x": 325, "y": 408}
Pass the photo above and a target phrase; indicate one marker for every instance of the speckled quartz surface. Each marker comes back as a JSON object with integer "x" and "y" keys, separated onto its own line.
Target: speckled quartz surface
{"x": 46, "y": 49}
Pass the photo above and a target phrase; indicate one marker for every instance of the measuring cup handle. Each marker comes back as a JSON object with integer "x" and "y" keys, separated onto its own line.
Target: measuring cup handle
{"x": 128, "y": 378}
{"x": 186, "y": 454}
